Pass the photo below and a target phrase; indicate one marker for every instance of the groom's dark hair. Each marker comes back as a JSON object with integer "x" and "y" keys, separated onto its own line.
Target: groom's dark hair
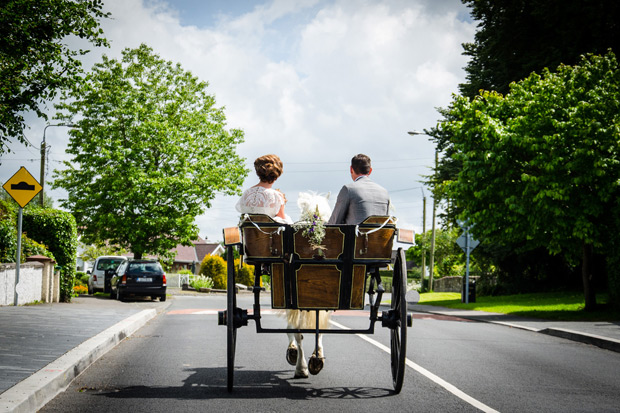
{"x": 361, "y": 164}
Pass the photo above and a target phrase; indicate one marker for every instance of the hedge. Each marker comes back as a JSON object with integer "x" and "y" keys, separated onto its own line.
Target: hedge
{"x": 56, "y": 230}
{"x": 8, "y": 237}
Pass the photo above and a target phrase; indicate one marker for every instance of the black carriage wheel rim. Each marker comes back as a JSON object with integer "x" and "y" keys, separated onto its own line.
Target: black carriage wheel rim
{"x": 398, "y": 335}
{"x": 230, "y": 324}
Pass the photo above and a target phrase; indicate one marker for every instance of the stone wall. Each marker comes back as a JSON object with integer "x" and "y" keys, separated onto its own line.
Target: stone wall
{"x": 450, "y": 284}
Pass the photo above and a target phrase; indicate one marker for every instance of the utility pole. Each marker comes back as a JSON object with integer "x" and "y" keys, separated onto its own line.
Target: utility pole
{"x": 43, "y": 149}
{"x": 432, "y": 257}
{"x": 423, "y": 239}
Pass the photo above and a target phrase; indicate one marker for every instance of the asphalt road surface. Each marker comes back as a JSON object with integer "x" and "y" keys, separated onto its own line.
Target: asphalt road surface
{"x": 177, "y": 363}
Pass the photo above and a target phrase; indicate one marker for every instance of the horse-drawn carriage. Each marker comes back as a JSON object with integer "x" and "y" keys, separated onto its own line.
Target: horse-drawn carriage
{"x": 337, "y": 279}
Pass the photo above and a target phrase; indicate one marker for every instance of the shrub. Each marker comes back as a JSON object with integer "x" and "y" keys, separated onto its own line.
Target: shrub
{"x": 80, "y": 289}
{"x": 82, "y": 276}
{"x": 8, "y": 237}
{"x": 245, "y": 274}
{"x": 58, "y": 231}
{"x": 214, "y": 267}
{"x": 200, "y": 281}
{"x": 31, "y": 247}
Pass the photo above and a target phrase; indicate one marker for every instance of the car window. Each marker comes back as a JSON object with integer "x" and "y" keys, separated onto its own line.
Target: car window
{"x": 136, "y": 268}
{"x": 122, "y": 267}
{"x": 109, "y": 264}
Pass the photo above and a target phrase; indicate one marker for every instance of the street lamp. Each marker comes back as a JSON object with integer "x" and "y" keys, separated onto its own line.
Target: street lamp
{"x": 42, "y": 180}
{"x": 432, "y": 252}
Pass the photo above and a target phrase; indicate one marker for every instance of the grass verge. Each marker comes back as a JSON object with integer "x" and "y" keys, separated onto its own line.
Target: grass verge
{"x": 561, "y": 306}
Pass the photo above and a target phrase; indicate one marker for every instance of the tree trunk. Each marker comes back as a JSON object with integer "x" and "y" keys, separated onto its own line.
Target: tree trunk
{"x": 137, "y": 255}
{"x": 586, "y": 275}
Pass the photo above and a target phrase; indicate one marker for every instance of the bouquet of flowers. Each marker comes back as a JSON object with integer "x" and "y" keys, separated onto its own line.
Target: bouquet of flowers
{"x": 313, "y": 229}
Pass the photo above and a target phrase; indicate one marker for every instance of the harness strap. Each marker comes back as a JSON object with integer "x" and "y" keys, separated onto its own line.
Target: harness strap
{"x": 278, "y": 230}
{"x": 358, "y": 232}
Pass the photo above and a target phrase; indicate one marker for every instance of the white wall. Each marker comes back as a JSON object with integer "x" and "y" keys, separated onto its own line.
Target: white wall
{"x": 30, "y": 283}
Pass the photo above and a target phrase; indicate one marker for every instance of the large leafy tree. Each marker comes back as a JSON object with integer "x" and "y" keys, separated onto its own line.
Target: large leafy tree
{"x": 515, "y": 38}
{"x": 540, "y": 165}
{"x": 518, "y": 37}
{"x": 35, "y": 61}
{"x": 150, "y": 153}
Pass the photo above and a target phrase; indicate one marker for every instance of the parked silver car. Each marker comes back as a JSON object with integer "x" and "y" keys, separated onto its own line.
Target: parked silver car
{"x": 97, "y": 275}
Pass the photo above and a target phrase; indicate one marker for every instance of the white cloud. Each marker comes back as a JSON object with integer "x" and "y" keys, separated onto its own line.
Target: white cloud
{"x": 313, "y": 81}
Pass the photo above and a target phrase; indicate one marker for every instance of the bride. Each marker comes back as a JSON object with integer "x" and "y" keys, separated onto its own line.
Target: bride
{"x": 262, "y": 198}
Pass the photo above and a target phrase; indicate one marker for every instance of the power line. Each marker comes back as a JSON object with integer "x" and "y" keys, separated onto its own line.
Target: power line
{"x": 346, "y": 163}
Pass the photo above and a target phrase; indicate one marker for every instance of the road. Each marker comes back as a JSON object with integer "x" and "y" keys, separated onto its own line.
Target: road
{"x": 177, "y": 363}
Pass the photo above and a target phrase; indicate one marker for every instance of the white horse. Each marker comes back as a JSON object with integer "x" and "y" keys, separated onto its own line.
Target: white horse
{"x": 296, "y": 319}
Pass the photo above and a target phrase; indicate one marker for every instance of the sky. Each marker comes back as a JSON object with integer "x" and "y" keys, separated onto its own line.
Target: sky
{"x": 313, "y": 81}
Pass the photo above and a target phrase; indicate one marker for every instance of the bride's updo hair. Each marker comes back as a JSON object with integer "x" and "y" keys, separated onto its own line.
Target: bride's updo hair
{"x": 268, "y": 168}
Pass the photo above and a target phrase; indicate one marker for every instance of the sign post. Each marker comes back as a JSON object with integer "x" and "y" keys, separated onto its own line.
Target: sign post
{"x": 467, "y": 244}
{"x": 22, "y": 187}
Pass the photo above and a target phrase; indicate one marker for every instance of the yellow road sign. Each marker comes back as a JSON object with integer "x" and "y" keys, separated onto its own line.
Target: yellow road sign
{"x": 22, "y": 187}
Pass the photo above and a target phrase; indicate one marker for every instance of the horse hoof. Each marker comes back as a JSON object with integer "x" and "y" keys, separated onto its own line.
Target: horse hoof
{"x": 291, "y": 356}
{"x": 315, "y": 364}
{"x": 301, "y": 375}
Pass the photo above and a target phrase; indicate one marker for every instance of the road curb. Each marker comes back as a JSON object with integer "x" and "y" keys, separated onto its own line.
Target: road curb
{"x": 599, "y": 341}
{"x": 33, "y": 393}
{"x": 606, "y": 343}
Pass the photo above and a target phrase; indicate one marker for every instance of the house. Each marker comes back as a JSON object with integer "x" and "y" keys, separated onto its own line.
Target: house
{"x": 190, "y": 257}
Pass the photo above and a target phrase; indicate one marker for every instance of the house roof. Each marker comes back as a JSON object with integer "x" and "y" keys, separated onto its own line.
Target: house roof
{"x": 185, "y": 253}
{"x": 195, "y": 253}
{"x": 204, "y": 248}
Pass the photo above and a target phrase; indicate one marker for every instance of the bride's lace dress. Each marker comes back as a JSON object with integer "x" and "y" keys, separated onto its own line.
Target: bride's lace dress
{"x": 259, "y": 200}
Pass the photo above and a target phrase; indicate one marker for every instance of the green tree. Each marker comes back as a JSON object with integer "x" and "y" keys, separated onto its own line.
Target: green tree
{"x": 91, "y": 252}
{"x": 35, "y": 61}
{"x": 518, "y": 37}
{"x": 515, "y": 38}
{"x": 150, "y": 153}
{"x": 541, "y": 164}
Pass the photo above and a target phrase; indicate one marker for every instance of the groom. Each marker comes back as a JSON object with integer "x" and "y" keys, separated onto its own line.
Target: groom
{"x": 362, "y": 198}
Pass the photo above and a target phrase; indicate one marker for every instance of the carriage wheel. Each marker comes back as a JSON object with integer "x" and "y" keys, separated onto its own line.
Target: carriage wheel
{"x": 230, "y": 318}
{"x": 398, "y": 334}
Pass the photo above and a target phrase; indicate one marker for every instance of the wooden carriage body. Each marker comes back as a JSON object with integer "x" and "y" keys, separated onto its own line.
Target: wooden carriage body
{"x": 303, "y": 279}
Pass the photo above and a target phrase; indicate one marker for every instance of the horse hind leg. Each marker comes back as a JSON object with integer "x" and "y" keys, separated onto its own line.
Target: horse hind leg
{"x": 291, "y": 350}
{"x": 292, "y": 321}
{"x": 317, "y": 361}
{"x": 301, "y": 368}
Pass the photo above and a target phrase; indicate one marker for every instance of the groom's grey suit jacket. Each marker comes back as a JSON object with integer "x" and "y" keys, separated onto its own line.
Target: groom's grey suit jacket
{"x": 359, "y": 200}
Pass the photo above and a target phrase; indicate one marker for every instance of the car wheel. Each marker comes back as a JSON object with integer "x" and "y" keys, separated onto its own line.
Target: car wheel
{"x": 162, "y": 297}
{"x": 120, "y": 296}
{"x": 90, "y": 290}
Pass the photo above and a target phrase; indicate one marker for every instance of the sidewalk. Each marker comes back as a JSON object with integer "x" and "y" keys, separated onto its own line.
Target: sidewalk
{"x": 603, "y": 334}
{"x": 44, "y": 347}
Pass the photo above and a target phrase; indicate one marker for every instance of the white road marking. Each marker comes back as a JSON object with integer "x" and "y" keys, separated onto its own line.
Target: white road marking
{"x": 438, "y": 380}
